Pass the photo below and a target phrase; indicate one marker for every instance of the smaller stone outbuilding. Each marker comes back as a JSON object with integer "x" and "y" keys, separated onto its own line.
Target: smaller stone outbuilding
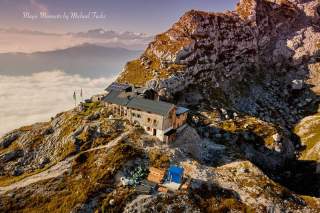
{"x": 119, "y": 87}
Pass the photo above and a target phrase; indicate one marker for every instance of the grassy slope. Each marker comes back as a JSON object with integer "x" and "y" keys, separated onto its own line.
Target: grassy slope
{"x": 309, "y": 131}
{"x": 71, "y": 122}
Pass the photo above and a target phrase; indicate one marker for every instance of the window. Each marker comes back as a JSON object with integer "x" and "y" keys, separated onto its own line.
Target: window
{"x": 133, "y": 115}
{"x": 154, "y": 121}
{"x": 138, "y": 115}
{"x": 148, "y": 129}
{"x": 149, "y": 119}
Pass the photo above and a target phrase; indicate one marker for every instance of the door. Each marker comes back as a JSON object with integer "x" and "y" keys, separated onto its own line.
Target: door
{"x": 154, "y": 132}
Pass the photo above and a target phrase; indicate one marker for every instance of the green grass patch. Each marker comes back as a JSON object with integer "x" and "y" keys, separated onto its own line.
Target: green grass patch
{"x": 6, "y": 181}
{"x": 135, "y": 73}
{"x": 309, "y": 133}
{"x": 158, "y": 159}
{"x": 87, "y": 180}
{"x": 163, "y": 43}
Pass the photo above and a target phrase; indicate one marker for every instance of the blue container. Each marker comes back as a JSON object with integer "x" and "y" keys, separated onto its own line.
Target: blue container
{"x": 175, "y": 174}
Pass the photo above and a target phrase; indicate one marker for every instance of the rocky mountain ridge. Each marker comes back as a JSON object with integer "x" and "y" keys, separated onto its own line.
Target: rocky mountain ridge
{"x": 248, "y": 76}
{"x": 252, "y": 58}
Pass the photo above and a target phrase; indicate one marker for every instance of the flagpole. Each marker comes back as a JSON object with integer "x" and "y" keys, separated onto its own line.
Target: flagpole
{"x": 75, "y": 98}
{"x": 81, "y": 95}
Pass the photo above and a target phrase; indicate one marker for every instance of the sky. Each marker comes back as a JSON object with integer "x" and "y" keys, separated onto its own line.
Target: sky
{"x": 145, "y": 16}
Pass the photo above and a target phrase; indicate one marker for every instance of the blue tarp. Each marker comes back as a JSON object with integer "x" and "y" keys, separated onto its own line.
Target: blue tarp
{"x": 175, "y": 174}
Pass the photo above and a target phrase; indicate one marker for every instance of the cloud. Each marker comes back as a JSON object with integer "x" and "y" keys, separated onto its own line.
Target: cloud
{"x": 25, "y": 100}
{"x": 27, "y": 32}
{"x": 29, "y": 41}
{"x": 39, "y": 6}
{"x": 109, "y": 34}
{"x": 33, "y": 42}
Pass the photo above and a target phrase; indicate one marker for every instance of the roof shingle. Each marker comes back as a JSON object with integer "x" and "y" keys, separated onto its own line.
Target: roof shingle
{"x": 132, "y": 101}
{"x": 114, "y": 86}
{"x": 157, "y": 107}
{"x": 113, "y": 97}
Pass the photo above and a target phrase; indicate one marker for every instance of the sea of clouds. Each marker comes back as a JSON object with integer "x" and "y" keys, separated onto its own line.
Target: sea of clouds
{"x": 25, "y": 100}
{"x": 28, "y": 41}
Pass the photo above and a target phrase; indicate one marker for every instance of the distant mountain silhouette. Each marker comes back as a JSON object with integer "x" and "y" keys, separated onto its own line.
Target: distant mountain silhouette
{"x": 87, "y": 60}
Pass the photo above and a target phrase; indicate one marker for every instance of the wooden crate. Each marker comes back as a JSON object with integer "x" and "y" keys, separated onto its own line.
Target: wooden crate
{"x": 156, "y": 175}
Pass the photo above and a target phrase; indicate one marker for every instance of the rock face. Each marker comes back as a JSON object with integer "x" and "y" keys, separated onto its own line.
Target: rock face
{"x": 8, "y": 140}
{"x": 249, "y": 57}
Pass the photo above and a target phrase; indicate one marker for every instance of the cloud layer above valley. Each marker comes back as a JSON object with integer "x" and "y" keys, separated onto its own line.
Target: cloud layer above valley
{"x": 28, "y": 99}
{"x": 29, "y": 41}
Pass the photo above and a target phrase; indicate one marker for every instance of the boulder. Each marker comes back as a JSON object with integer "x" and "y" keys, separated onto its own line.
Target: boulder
{"x": 17, "y": 172}
{"x": 276, "y": 137}
{"x": 8, "y": 140}
{"x": 48, "y": 131}
{"x": 78, "y": 131}
{"x": 94, "y": 116}
{"x": 112, "y": 202}
{"x": 43, "y": 162}
{"x": 11, "y": 156}
{"x": 297, "y": 84}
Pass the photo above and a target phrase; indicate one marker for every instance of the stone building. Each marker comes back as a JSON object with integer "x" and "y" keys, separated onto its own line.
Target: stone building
{"x": 158, "y": 118}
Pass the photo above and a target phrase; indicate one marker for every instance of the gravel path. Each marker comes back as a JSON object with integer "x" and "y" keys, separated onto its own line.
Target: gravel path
{"x": 58, "y": 169}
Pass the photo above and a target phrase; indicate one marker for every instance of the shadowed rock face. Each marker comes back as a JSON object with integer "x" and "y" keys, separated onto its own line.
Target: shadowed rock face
{"x": 249, "y": 56}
